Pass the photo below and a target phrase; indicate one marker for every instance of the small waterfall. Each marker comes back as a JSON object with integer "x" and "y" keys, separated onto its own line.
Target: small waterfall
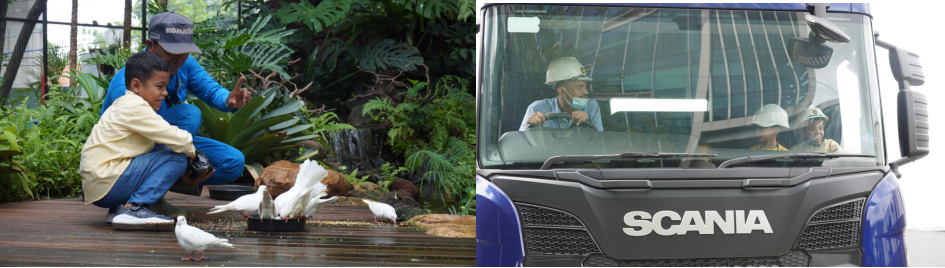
{"x": 358, "y": 148}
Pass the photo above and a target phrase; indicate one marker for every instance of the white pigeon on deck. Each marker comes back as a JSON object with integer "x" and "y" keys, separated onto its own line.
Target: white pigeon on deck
{"x": 244, "y": 204}
{"x": 267, "y": 210}
{"x": 381, "y": 210}
{"x": 310, "y": 175}
{"x": 295, "y": 208}
{"x": 195, "y": 240}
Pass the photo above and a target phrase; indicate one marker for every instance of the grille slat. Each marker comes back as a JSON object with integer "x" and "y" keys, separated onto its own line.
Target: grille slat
{"x": 836, "y": 226}
{"x": 847, "y": 211}
{"x": 831, "y": 235}
{"x": 545, "y": 217}
{"x": 795, "y": 258}
{"x": 559, "y": 242}
{"x": 550, "y": 231}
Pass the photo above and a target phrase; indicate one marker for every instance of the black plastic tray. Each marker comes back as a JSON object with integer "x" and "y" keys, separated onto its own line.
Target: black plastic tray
{"x": 229, "y": 192}
{"x": 270, "y": 225}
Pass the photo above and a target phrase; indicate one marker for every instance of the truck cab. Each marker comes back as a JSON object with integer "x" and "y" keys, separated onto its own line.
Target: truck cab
{"x": 690, "y": 135}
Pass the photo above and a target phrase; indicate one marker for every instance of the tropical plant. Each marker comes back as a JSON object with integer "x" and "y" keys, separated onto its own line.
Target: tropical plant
{"x": 469, "y": 203}
{"x": 315, "y": 18}
{"x": 237, "y": 51}
{"x": 425, "y": 120}
{"x": 114, "y": 56}
{"x": 52, "y": 136}
{"x": 389, "y": 173}
{"x": 255, "y": 136}
{"x": 12, "y": 170}
{"x": 352, "y": 177}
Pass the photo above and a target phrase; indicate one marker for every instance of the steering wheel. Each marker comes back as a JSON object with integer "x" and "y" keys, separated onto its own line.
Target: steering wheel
{"x": 585, "y": 124}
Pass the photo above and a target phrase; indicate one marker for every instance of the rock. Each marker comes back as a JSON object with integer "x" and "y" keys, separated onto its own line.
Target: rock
{"x": 278, "y": 177}
{"x": 406, "y": 213}
{"x": 310, "y": 144}
{"x": 405, "y": 188}
{"x": 348, "y": 200}
{"x": 367, "y": 190}
{"x": 445, "y": 225}
{"x": 399, "y": 201}
{"x": 337, "y": 183}
{"x": 357, "y": 118}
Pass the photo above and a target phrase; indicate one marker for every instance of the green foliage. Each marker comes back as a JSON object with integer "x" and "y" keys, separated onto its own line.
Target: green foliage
{"x": 430, "y": 9}
{"x": 426, "y": 120}
{"x": 389, "y": 173}
{"x": 52, "y": 137}
{"x": 12, "y": 170}
{"x": 386, "y": 54}
{"x": 469, "y": 203}
{"x": 249, "y": 130}
{"x": 353, "y": 176}
{"x": 435, "y": 129}
{"x": 315, "y": 18}
{"x": 322, "y": 125}
{"x": 228, "y": 52}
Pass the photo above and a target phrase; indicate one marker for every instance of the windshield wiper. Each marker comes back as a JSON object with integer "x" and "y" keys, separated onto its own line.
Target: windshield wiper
{"x": 747, "y": 159}
{"x": 570, "y": 158}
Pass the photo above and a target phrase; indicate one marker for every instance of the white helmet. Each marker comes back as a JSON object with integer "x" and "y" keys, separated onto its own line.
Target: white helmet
{"x": 807, "y": 115}
{"x": 770, "y": 115}
{"x": 564, "y": 69}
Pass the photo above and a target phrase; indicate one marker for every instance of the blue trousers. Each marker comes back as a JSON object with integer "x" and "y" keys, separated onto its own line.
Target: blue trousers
{"x": 146, "y": 179}
{"x": 227, "y": 161}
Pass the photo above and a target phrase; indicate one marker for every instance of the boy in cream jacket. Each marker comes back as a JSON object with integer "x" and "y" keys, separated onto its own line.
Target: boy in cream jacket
{"x": 122, "y": 168}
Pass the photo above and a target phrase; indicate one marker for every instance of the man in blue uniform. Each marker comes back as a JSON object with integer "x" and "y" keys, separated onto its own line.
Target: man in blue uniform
{"x": 569, "y": 78}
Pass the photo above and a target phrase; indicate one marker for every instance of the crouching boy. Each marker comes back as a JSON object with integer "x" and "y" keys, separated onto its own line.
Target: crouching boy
{"x": 122, "y": 168}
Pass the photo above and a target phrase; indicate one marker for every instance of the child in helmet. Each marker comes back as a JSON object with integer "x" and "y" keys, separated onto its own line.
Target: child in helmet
{"x": 810, "y": 127}
{"x": 768, "y": 121}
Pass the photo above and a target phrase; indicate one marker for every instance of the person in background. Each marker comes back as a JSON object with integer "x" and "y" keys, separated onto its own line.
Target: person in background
{"x": 768, "y": 121}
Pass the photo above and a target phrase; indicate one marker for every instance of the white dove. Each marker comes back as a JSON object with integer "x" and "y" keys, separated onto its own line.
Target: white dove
{"x": 310, "y": 174}
{"x": 381, "y": 210}
{"x": 267, "y": 210}
{"x": 195, "y": 240}
{"x": 245, "y": 204}
{"x": 295, "y": 208}
{"x": 316, "y": 204}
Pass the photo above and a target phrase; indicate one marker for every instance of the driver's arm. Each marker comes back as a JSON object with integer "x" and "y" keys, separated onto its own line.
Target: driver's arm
{"x": 593, "y": 114}
{"x": 532, "y": 109}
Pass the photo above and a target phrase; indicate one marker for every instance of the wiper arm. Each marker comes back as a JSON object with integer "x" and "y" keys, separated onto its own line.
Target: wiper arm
{"x": 747, "y": 159}
{"x": 570, "y": 158}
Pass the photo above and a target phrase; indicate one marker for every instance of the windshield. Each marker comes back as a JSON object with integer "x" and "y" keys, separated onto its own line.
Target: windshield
{"x": 671, "y": 81}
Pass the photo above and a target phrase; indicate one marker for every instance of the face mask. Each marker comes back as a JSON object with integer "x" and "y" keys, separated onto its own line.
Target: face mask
{"x": 576, "y": 103}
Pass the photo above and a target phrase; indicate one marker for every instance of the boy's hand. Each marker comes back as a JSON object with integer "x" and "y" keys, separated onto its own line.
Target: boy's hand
{"x": 191, "y": 157}
{"x": 187, "y": 180}
{"x": 239, "y": 96}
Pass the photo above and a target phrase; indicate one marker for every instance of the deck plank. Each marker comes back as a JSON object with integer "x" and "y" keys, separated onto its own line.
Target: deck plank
{"x": 69, "y": 233}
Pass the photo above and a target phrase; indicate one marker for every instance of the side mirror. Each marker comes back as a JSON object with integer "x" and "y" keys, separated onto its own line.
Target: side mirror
{"x": 912, "y": 110}
{"x": 913, "y": 117}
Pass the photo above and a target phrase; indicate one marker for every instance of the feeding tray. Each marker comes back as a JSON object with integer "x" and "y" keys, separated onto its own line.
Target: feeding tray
{"x": 229, "y": 192}
{"x": 270, "y": 225}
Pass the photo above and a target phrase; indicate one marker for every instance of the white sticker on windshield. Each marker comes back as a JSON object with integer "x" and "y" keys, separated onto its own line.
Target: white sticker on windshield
{"x": 523, "y": 24}
{"x": 658, "y": 105}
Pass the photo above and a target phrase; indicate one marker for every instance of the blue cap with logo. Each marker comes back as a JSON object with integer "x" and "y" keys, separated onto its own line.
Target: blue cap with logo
{"x": 175, "y": 33}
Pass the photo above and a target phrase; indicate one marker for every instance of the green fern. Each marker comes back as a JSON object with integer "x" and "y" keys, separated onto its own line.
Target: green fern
{"x": 467, "y": 8}
{"x": 316, "y": 18}
{"x": 384, "y": 54}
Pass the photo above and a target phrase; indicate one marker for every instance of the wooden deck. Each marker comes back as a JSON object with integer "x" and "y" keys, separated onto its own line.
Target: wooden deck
{"x": 69, "y": 233}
